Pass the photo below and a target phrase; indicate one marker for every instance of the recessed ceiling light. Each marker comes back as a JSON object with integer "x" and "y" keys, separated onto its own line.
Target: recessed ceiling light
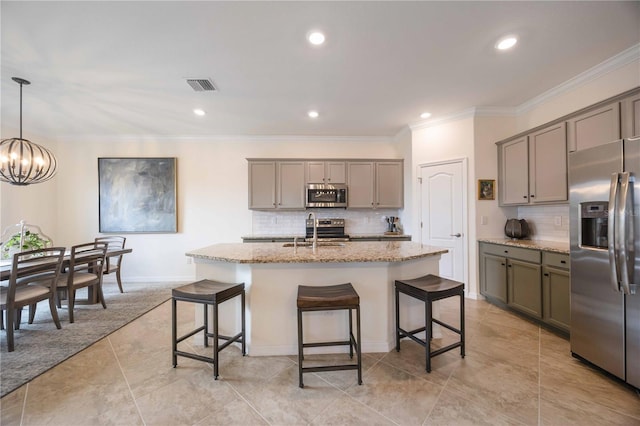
{"x": 316, "y": 38}
{"x": 199, "y": 112}
{"x": 506, "y": 43}
{"x": 313, "y": 114}
{"x": 425, "y": 115}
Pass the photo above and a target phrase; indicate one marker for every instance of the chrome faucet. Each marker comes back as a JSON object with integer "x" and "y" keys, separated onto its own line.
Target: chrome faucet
{"x": 315, "y": 229}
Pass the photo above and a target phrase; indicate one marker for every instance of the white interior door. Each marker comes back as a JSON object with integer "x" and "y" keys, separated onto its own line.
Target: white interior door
{"x": 443, "y": 214}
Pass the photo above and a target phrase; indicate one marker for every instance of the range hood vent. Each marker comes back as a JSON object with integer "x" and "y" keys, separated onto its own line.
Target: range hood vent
{"x": 201, "y": 84}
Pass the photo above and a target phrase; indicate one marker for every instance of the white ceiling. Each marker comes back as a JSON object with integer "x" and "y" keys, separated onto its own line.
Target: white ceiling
{"x": 118, "y": 68}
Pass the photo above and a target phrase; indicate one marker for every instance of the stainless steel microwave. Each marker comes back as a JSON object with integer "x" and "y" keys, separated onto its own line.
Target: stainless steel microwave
{"x": 326, "y": 195}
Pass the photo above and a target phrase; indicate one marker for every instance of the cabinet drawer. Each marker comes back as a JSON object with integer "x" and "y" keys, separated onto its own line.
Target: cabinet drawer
{"x": 512, "y": 252}
{"x": 558, "y": 260}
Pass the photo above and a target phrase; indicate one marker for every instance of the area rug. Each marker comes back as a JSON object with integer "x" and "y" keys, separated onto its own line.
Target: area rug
{"x": 40, "y": 346}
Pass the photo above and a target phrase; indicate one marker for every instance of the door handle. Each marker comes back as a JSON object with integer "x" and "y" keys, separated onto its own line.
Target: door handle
{"x": 458, "y": 235}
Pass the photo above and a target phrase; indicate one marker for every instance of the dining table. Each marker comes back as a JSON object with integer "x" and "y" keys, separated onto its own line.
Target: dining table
{"x": 6, "y": 265}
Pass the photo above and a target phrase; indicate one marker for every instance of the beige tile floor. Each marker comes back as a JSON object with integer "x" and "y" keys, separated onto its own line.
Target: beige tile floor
{"x": 515, "y": 373}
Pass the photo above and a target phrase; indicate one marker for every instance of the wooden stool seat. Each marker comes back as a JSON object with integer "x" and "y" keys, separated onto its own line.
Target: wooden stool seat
{"x": 430, "y": 288}
{"x": 327, "y": 298}
{"x": 207, "y": 292}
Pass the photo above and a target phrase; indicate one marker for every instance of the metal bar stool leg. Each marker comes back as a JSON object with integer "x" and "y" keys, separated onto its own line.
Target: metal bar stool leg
{"x": 205, "y": 307}
{"x": 359, "y": 346}
{"x": 397, "y": 320}
{"x": 215, "y": 341}
{"x": 462, "y": 323}
{"x": 300, "y": 354}
{"x": 351, "y": 334}
{"x": 244, "y": 334}
{"x": 428, "y": 333}
{"x": 174, "y": 332}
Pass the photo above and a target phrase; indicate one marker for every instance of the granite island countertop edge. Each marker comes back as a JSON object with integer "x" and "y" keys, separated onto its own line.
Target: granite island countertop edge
{"x": 542, "y": 245}
{"x": 387, "y": 251}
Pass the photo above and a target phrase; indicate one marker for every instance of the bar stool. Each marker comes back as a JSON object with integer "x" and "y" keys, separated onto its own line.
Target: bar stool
{"x": 329, "y": 298}
{"x": 430, "y": 288}
{"x": 206, "y": 292}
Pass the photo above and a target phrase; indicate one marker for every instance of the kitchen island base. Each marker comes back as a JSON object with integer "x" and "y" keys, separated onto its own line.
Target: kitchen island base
{"x": 271, "y": 288}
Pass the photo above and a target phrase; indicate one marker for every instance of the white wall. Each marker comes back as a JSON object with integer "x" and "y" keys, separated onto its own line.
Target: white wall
{"x": 212, "y": 185}
{"x": 447, "y": 141}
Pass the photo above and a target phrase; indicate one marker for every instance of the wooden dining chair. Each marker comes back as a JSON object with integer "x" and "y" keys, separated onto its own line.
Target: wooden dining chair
{"x": 86, "y": 262}
{"x": 113, "y": 264}
{"x": 34, "y": 277}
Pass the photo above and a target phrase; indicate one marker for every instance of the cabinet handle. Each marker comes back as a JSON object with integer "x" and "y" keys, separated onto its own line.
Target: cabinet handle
{"x": 506, "y": 251}
{"x": 502, "y": 264}
{"x": 524, "y": 196}
{"x": 546, "y": 275}
{"x": 510, "y": 266}
{"x": 563, "y": 261}
{"x": 532, "y": 196}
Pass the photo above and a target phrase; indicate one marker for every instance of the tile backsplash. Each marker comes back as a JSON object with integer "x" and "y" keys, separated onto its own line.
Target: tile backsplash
{"x": 293, "y": 222}
{"x": 549, "y": 223}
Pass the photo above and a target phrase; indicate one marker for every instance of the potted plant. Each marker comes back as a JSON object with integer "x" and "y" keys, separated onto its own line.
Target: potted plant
{"x": 31, "y": 241}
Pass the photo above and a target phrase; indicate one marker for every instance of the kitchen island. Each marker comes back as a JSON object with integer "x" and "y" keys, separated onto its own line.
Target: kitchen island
{"x": 272, "y": 272}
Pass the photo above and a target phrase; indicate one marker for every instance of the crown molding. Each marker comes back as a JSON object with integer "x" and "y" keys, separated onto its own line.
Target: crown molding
{"x": 223, "y": 138}
{"x": 615, "y": 62}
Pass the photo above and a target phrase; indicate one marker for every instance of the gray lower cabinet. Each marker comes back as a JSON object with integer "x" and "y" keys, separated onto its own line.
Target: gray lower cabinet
{"x": 524, "y": 287}
{"x": 532, "y": 282}
{"x": 556, "y": 290}
{"x": 493, "y": 278}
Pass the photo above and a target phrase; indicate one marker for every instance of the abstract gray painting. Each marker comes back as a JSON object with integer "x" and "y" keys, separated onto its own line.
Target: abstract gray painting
{"x": 137, "y": 195}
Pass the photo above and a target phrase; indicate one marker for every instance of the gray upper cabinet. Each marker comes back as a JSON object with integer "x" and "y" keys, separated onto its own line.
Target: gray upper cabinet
{"x": 290, "y": 181}
{"x": 375, "y": 184}
{"x": 326, "y": 172}
{"x": 631, "y": 116}
{"x": 360, "y": 179}
{"x": 389, "y": 185}
{"x": 548, "y": 178}
{"x": 533, "y": 168}
{"x": 276, "y": 185}
{"x": 262, "y": 185}
{"x": 513, "y": 185}
{"x": 594, "y": 127}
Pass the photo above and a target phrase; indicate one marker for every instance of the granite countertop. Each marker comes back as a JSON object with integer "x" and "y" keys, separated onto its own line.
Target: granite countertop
{"x": 272, "y": 237}
{"x": 553, "y": 246}
{"x": 379, "y": 251}
{"x": 386, "y": 236}
{"x": 302, "y": 237}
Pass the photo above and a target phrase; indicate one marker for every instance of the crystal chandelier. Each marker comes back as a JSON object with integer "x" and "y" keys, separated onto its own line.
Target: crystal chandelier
{"x": 23, "y": 162}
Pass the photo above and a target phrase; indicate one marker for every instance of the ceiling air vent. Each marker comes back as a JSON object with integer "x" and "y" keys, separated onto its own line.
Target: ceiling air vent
{"x": 201, "y": 84}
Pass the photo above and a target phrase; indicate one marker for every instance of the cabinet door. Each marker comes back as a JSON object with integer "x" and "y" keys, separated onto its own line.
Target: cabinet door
{"x": 513, "y": 171}
{"x": 389, "y": 188}
{"x": 595, "y": 127}
{"x": 548, "y": 164}
{"x": 262, "y": 185}
{"x": 556, "y": 293}
{"x": 360, "y": 178}
{"x": 315, "y": 172}
{"x": 631, "y": 116}
{"x": 291, "y": 185}
{"x": 493, "y": 277}
{"x": 336, "y": 172}
{"x": 525, "y": 287}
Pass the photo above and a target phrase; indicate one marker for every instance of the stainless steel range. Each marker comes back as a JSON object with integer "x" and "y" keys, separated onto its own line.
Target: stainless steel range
{"x": 328, "y": 230}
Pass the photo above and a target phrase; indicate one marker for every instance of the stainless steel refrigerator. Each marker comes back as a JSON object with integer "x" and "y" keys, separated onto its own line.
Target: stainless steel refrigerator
{"x": 605, "y": 257}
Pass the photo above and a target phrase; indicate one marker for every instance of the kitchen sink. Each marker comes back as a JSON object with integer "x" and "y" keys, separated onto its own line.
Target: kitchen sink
{"x": 320, "y": 244}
